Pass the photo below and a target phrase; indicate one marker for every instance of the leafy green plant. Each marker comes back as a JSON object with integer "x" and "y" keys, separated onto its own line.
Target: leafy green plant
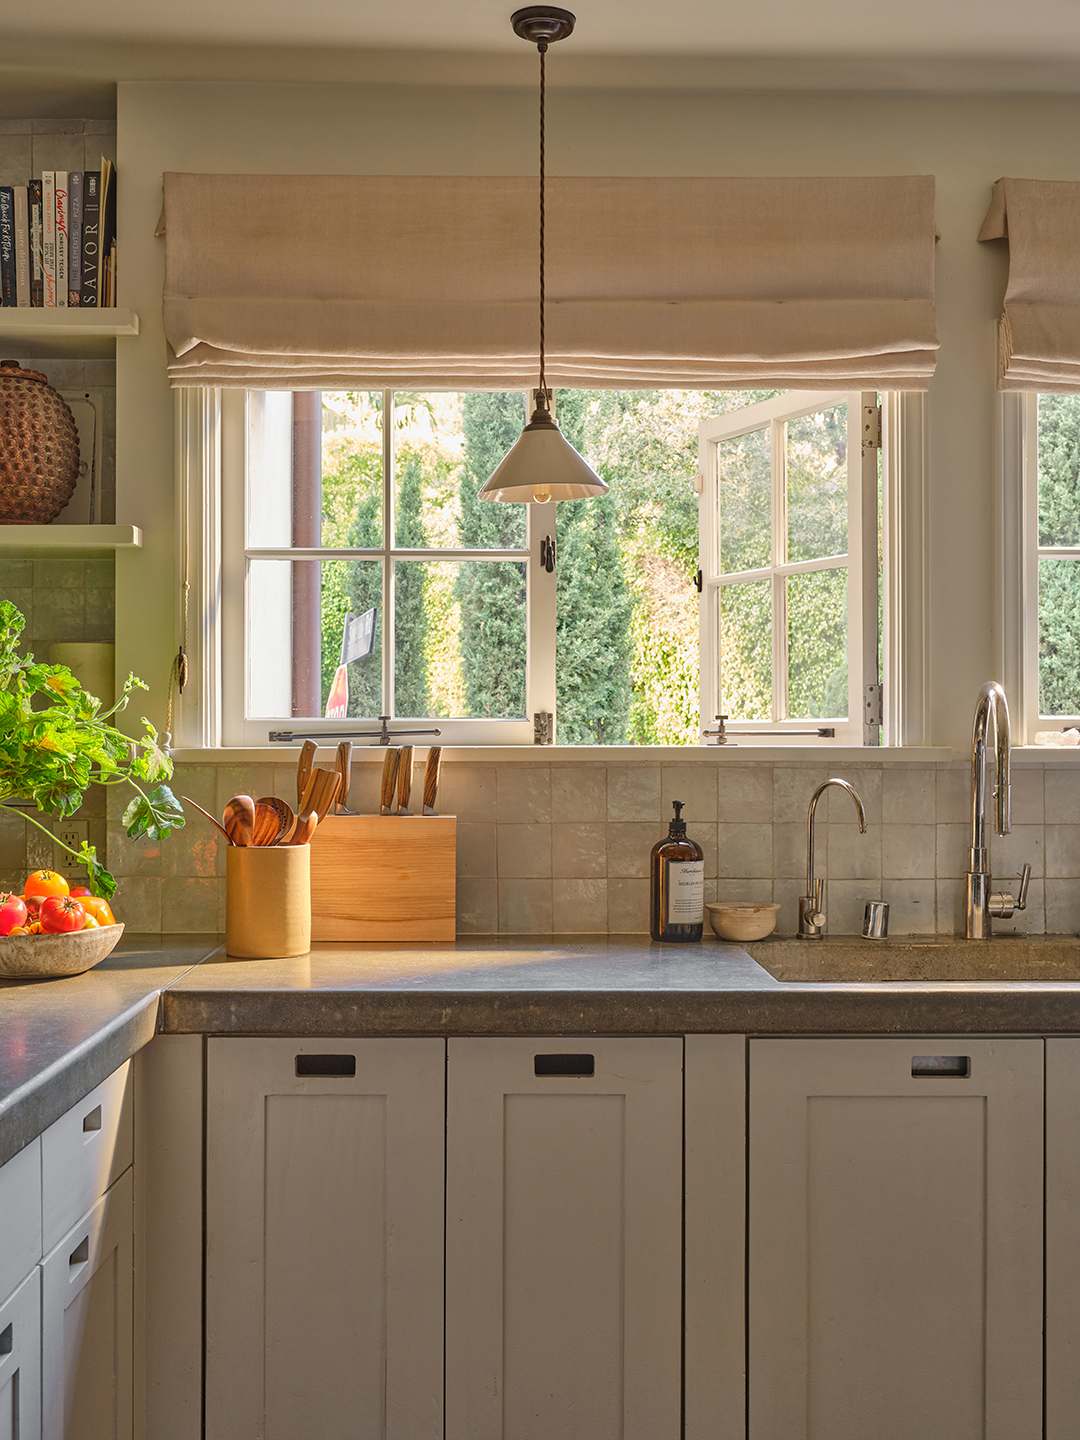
{"x": 55, "y": 742}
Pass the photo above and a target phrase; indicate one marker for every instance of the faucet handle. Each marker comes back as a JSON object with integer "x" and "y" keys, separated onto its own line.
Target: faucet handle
{"x": 817, "y": 917}
{"x": 1025, "y": 876}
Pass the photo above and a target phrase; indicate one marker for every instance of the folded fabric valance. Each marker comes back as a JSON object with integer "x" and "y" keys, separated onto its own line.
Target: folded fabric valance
{"x": 346, "y": 281}
{"x": 1040, "y": 330}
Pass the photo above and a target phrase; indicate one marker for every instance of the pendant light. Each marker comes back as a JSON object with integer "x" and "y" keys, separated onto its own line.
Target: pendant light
{"x": 542, "y": 465}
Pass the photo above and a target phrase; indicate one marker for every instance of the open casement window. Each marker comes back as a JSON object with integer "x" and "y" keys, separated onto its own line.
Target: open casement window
{"x": 361, "y": 579}
{"x": 789, "y": 568}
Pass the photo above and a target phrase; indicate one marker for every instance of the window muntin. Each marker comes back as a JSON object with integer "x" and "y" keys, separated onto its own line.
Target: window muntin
{"x": 789, "y": 613}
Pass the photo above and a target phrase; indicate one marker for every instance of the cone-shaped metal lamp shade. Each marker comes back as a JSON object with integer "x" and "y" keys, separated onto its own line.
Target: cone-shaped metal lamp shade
{"x": 542, "y": 466}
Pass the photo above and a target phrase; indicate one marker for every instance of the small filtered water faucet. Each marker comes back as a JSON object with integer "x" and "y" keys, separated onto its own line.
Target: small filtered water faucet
{"x": 812, "y": 904}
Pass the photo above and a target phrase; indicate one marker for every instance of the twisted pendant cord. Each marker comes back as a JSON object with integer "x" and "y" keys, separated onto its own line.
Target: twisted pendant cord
{"x": 542, "y": 49}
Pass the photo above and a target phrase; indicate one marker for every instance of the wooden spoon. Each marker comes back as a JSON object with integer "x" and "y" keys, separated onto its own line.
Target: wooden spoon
{"x": 267, "y": 826}
{"x": 239, "y": 819}
{"x": 209, "y": 817}
{"x": 285, "y": 813}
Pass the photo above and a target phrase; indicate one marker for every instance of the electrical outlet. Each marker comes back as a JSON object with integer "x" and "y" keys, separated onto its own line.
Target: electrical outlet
{"x": 73, "y": 833}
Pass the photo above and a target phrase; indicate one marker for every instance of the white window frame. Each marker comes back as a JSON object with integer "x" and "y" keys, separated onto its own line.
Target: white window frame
{"x": 210, "y": 445}
{"x": 862, "y": 599}
{"x": 239, "y": 729}
{"x": 1017, "y": 556}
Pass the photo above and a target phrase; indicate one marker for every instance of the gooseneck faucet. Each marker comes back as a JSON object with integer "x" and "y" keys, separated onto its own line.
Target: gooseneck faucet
{"x": 812, "y": 904}
{"x": 981, "y": 904}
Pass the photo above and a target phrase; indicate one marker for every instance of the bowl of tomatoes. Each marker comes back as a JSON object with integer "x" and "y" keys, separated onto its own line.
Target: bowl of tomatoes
{"x": 51, "y": 930}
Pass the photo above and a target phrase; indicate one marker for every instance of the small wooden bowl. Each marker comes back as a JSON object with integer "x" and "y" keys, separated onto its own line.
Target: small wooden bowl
{"x": 47, "y": 957}
{"x": 732, "y": 920}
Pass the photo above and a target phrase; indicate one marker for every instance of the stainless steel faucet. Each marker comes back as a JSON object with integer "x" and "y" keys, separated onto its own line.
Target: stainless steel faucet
{"x": 981, "y": 904}
{"x": 812, "y": 904}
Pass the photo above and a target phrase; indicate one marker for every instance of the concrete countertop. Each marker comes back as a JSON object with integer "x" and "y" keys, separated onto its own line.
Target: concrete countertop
{"x": 584, "y": 985}
{"x": 60, "y": 1038}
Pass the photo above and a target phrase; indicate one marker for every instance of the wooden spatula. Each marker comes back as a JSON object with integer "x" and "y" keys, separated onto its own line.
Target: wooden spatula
{"x": 267, "y": 824}
{"x": 285, "y": 813}
{"x": 322, "y": 790}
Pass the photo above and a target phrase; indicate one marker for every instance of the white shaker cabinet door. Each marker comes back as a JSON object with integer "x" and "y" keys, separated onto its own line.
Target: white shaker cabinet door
{"x": 86, "y": 1324}
{"x": 1062, "y": 1239}
{"x": 895, "y": 1252}
{"x": 563, "y": 1239}
{"x": 324, "y": 1225}
{"x": 20, "y": 1362}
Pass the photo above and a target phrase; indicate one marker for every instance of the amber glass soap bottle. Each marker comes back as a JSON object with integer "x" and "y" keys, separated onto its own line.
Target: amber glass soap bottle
{"x": 678, "y": 884}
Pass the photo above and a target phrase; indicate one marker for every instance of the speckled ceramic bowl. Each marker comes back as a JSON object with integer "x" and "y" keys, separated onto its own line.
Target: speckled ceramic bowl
{"x": 731, "y": 920}
{"x": 46, "y": 957}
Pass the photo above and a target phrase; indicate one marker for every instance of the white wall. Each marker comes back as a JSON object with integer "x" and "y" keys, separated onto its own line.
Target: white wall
{"x": 965, "y": 142}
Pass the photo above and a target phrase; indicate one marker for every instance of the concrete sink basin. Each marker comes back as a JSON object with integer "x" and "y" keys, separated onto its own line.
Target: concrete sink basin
{"x": 846, "y": 958}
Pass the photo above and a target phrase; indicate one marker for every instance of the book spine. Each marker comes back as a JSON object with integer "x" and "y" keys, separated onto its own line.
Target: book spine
{"x": 37, "y": 276}
{"x": 22, "y": 247}
{"x": 7, "y": 246}
{"x": 75, "y": 224}
{"x": 48, "y": 236}
{"x": 107, "y": 264}
{"x": 91, "y": 236}
{"x": 62, "y": 221}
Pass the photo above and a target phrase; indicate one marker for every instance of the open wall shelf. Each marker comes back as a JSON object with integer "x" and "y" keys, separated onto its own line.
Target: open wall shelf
{"x": 49, "y": 538}
{"x": 27, "y": 334}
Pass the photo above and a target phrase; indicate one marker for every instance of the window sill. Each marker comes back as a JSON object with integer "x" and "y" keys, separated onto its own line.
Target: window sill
{"x": 729, "y": 754}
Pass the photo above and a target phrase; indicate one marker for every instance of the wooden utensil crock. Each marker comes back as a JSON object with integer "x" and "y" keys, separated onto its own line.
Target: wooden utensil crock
{"x": 267, "y": 901}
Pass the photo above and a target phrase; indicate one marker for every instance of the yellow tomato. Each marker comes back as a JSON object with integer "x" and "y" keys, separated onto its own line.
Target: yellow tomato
{"x": 90, "y": 923}
{"x": 97, "y": 906}
{"x": 45, "y": 883}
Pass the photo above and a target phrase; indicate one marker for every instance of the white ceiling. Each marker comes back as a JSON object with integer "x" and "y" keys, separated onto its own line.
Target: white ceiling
{"x": 1002, "y": 28}
{"x": 937, "y": 45}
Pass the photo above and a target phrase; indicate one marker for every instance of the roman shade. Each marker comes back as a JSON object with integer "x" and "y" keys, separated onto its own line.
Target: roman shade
{"x": 1039, "y": 346}
{"x": 345, "y": 281}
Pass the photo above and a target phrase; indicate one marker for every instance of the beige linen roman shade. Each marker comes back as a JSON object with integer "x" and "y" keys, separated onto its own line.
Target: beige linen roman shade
{"x": 1040, "y": 330}
{"x": 339, "y": 281}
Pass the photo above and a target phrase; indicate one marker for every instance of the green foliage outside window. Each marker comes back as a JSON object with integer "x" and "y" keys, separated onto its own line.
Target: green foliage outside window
{"x": 1059, "y": 579}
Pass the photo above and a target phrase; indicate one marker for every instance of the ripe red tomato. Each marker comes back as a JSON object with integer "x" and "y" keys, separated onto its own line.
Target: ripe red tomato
{"x": 12, "y": 913}
{"x": 60, "y": 914}
{"x": 33, "y": 905}
{"x": 45, "y": 882}
{"x": 79, "y": 891}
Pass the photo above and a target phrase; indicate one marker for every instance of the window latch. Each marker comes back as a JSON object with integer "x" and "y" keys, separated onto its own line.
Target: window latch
{"x": 543, "y": 728}
{"x": 698, "y": 581}
{"x": 547, "y": 554}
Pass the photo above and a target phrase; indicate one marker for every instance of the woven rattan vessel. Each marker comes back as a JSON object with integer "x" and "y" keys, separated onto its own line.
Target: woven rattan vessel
{"x": 39, "y": 448}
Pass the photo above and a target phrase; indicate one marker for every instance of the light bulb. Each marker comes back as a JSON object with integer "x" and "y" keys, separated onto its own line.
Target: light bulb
{"x": 542, "y": 495}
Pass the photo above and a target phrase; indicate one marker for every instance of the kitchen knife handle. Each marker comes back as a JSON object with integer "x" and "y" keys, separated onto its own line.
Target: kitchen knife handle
{"x": 303, "y": 768}
{"x": 405, "y": 779}
{"x": 344, "y": 765}
{"x": 389, "y": 779}
{"x": 431, "y": 779}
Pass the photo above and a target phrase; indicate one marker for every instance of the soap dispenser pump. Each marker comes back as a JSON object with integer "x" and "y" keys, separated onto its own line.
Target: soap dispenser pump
{"x": 678, "y": 884}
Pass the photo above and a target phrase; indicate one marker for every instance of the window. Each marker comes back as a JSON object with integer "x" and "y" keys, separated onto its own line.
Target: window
{"x": 1049, "y": 531}
{"x": 789, "y": 573}
{"x": 457, "y": 621}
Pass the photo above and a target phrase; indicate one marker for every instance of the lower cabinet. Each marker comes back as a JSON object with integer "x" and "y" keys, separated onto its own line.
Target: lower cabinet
{"x": 20, "y": 1362}
{"x": 86, "y": 1324}
{"x": 564, "y": 1239}
{"x": 324, "y": 1254}
{"x": 895, "y": 1239}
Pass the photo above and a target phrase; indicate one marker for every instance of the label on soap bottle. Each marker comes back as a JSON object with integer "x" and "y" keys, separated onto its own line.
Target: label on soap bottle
{"x": 685, "y": 892}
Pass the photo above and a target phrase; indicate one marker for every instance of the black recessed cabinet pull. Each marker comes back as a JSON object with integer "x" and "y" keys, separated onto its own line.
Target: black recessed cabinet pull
{"x": 92, "y": 1121}
{"x": 564, "y": 1065}
{"x": 941, "y": 1067}
{"x": 326, "y": 1064}
{"x": 81, "y": 1254}
{"x": 7, "y": 1341}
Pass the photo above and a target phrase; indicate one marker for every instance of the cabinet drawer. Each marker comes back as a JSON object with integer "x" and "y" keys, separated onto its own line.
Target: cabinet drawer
{"x": 20, "y": 1212}
{"x": 20, "y": 1362}
{"x": 84, "y": 1152}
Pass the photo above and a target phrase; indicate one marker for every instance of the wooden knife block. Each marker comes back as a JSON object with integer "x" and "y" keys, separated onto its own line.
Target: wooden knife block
{"x": 384, "y": 877}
